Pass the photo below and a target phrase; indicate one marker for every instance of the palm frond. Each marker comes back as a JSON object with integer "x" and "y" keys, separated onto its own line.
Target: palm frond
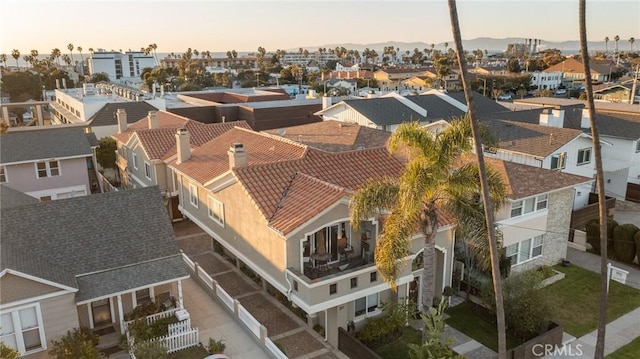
{"x": 411, "y": 136}
{"x": 393, "y": 244}
{"x": 375, "y": 196}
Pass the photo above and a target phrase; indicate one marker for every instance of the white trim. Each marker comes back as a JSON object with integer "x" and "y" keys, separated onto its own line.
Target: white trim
{"x": 131, "y": 290}
{"x": 213, "y": 204}
{"x": 15, "y": 318}
{"x": 147, "y": 165}
{"x": 142, "y": 184}
{"x": 289, "y": 236}
{"x": 134, "y": 159}
{"x": 47, "y": 169}
{"x": 46, "y": 159}
{"x": 221, "y": 182}
{"x": 3, "y": 172}
{"x": 88, "y": 306}
{"x": 193, "y": 188}
{"x": 37, "y": 279}
{"x": 35, "y": 299}
{"x": 112, "y": 309}
{"x": 55, "y": 192}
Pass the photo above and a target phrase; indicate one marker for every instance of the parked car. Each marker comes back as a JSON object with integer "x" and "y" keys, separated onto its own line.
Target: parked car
{"x": 505, "y": 97}
{"x": 561, "y": 92}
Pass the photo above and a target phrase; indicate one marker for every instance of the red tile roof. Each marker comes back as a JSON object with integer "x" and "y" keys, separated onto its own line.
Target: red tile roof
{"x": 165, "y": 120}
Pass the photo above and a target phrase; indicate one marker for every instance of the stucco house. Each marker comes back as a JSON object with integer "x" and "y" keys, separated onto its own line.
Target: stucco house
{"x": 58, "y": 273}
{"x": 49, "y": 163}
{"x": 145, "y": 148}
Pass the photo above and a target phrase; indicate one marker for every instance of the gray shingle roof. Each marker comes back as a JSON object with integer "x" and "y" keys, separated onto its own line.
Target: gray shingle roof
{"x": 106, "y": 116}
{"x": 385, "y": 111}
{"x": 436, "y": 107}
{"x": 87, "y": 234}
{"x": 10, "y": 197}
{"x": 41, "y": 144}
{"x": 484, "y": 105}
{"x": 126, "y": 278}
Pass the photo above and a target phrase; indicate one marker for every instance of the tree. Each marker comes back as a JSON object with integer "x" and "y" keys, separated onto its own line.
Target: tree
{"x": 75, "y": 344}
{"x": 150, "y": 350}
{"x": 3, "y": 59}
{"x": 22, "y": 86}
{"x": 429, "y": 182}
{"x": 15, "y": 53}
{"x": 70, "y": 47}
{"x": 7, "y": 352}
{"x": 602, "y": 205}
{"x": 55, "y": 55}
{"x": 606, "y": 44}
{"x": 99, "y": 77}
{"x": 434, "y": 348}
{"x": 631, "y": 41}
{"x": 513, "y": 65}
{"x": 106, "y": 153}
{"x": 485, "y": 184}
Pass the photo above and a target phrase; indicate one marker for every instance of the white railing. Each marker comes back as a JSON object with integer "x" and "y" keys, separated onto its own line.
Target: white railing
{"x": 179, "y": 327}
{"x": 206, "y": 279}
{"x": 106, "y": 185}
{"x": 188, "y": 261}
{"x": 273, "y": 349}
{"x": 225, "y": 297}
{"x": 249, "y": 321}
{"x": 152, "y": 318}
{"x": 180, "y": 341}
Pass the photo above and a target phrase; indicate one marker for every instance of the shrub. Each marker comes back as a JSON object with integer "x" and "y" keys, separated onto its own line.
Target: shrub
{"x": 636, "y": 239}
{"x": 382, "y": 330}
{"x": 6, "y": 352}
{"x": 593, "y": 233}
{"x": 216, "y": 346}
{"x": 319, "y": 329}
{"x": 150, "y": 350}
{"x": 142, "y": 310}
{"x": 142, "y": 331}
{"x": 74, "y": 345}
{"x": 546, "y": 272}
{"x": 623, "y": 242}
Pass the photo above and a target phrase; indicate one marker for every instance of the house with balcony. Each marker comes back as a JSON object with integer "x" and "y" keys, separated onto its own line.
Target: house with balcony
{"x": 146, "y": 147}
{"x": 50, "y": 163}
{"x": 59, "y": 272}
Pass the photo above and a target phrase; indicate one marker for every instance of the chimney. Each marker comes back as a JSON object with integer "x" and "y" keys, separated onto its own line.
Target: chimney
{"x": 121, "y": 115}
{"x": 584, "y": 121}
{"x": 183, "y": 145}
{"x": 552, "y": 118}
{"x": 326, "y": 101}
{"x": 558, "y": 114}
{"x": 237, "y": 155}
{"x": 370, "y": 94}
{"x": 152, "y": 117}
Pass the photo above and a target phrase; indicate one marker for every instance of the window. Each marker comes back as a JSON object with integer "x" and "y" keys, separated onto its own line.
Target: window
{"x": 529, "y": 205}
{"x": 354, "y": 282}
{"x": 143, "y": 296}
{"x": 525, "y": 250}
{"x": 333, "y": 289}
{"x": 22, "y": 329}
{"x": 147, "y": 170}
{"x": 3, "y": 175}
{"x": 216, "y": 210}
{"x": 366, "y": 304}
{"x": 638, "y": 146}
{"x": 558, "y": 161}
{"x": 584, "y": 156}
{"x": 193, "y": 195}
{"x": 47, "y": 169}
{"x": 373, "y": 276}
{"x": 134, "y": 160}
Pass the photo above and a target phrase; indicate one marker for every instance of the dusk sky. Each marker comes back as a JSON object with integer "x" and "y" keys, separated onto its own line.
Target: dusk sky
{"x": 219, "y": 26}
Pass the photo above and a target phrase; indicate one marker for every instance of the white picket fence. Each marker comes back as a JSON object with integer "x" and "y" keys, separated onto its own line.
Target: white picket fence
{"x": 152, "y": 318}
{"x": 174, "y": 343}
{"x": 273, "y": 349}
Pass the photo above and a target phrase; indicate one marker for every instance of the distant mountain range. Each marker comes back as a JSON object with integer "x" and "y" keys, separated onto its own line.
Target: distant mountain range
{"x": 484, "y": 43}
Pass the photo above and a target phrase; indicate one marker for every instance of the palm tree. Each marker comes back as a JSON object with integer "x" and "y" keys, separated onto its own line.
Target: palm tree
{"x": 70, "y": 47}
{"x": 602, "y": 206}
{"x": 631, "y": 41}
{"x": 15, "y": 53}
{"x": 428, "y": 184}
{"x": 81, "y": 57}
{"x": 485, "y": 184}
{"x": 3, "y": 59}
{"x": 606, "y": 44}
{"x": 55, "y": 54}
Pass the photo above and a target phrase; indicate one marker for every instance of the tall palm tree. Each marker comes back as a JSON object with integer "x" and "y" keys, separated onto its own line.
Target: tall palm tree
{"x": 602, "y": 206}
{"x": 488, "y": 205}
{"x": 429, "y": 183}
{"x": 3, "y": 59}
{"x": 15, "y": 53}
{"x": 80, "y": 51}
{"x": 631, "y": 41}
{"x": 70, "y": 47}
{"x": 55, "y": 54}
{"x": 606, "y": 45}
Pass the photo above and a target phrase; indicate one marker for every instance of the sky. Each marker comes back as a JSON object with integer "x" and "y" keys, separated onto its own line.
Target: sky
{"x": 218, "y": 26}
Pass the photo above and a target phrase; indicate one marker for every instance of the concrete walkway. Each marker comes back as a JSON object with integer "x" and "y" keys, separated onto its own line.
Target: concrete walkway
{"x": 591, "y": 262}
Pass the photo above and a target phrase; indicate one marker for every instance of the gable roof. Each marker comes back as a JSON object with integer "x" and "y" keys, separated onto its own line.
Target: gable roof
{"x": 484, "y": 104}
{"x": 43, "y": 144}
{"x": 106, "y": 115}
{"x": 10, "y": 197}
{"x": 574, "y": 66}
{"x": 384, "y": 110}
{"x": 165, "y": 120}
{"x": 334, "y": 136}
{"x": 533, "y": 139}
{"x": 113, "y": 233}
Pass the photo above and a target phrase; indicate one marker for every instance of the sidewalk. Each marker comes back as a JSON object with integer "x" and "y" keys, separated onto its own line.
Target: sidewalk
{"x": 591, "y": 262}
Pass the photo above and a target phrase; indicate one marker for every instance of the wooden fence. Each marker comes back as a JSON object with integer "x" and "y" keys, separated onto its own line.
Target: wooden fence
{"x": 580, "y": 217}
{"x": 633, "y": 192}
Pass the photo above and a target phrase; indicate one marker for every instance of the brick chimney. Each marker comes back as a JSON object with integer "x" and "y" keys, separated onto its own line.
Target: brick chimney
{"x": 152, "y": 117}
{"x": 237, "y": 155}
{"x": 121, "y": 115}
{"x": 183, "y": 145}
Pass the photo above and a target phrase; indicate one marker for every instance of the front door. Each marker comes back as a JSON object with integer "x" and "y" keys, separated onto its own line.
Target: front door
{"x": 101, "y": 311}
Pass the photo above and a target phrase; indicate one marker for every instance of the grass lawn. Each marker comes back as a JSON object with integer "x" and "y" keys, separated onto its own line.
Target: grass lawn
{"x": 463, "y": 319}
{"x": 629, "y": 351}
{"x": 398, "y": 348}
{"x": 197, "y": 352}
{"x": 577, "y": 299}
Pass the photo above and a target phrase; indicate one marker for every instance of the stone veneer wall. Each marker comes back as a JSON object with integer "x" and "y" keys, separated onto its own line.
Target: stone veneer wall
{"x": 554, "y": 247}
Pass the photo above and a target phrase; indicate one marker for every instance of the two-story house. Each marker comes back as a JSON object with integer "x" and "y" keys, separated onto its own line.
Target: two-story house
{"x": 49, "y": 163}
{"x": 82, "y": 262}
{"x": 145, "y": 148}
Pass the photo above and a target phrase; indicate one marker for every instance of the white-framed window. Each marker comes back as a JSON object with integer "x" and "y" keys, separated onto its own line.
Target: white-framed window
{"x": 147, "y": 170}
{"x": 215, "y": 209}
{"x": 366, "y": 305}
{"x": 47, "y": 169}
{"x": 558, "y": 161}
{"x": 134, "y": 160}
{"x": 143, "y": 296}
{"x": 3, "y": 175}
{"x": 525, "y": 250}
{"x": 584, "y": 156}
{"x": 529, "y": 205}
{"x": 22, "y": 329}
{"x": 193, "y": 195}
